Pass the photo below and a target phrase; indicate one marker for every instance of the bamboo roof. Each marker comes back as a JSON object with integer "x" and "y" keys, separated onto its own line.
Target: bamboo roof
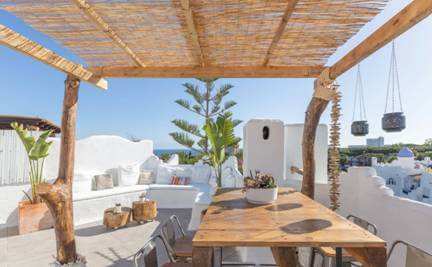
{"x": 30, "y": 123}
{"x": 198, "y": 33}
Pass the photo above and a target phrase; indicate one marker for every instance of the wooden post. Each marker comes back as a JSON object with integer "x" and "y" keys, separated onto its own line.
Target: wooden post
{"x": 319, "y": 102}
{"x": 58, "y": 196}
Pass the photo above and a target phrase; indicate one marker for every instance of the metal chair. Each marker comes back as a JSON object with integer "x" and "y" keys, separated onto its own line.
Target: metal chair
{"x": 415, "y": 257}
{"x": 179, "y": 244}
{"x": 148, "y": 255}
{"x": 330, "y": 253}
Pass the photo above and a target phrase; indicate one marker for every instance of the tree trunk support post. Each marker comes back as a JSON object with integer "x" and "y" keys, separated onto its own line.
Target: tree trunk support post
{"x": 323, "y": 93}
{"x": 58, "y": 196}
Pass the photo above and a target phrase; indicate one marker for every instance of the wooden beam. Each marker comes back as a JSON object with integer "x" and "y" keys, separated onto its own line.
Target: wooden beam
{"x": 193, "y": 34}
{"x": 413, "y": 13}
{"x": 227, "y": 72}
{"x": 281, "y": 28}
{"x": 19, "y": 43}
{"x": 322, "y": 96}
{"x": 58, "y": 196}
{"x": 94, "y": 16}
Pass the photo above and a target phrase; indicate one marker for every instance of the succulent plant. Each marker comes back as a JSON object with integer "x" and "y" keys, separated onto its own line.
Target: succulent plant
{"x": 259, "y": 180}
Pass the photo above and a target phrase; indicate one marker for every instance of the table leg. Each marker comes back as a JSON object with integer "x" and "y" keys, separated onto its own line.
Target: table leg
{"x": 202, "y": 257}
{"x": 338, "y": 257}
{"x": 285, "y": 256}
{"x": 370, "y": 257}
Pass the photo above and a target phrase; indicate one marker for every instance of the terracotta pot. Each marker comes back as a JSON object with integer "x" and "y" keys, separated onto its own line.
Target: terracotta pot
{"x": 33, "y": 217}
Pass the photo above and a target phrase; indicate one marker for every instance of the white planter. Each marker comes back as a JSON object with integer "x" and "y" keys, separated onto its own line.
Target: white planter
{"x": 261, "y": 195}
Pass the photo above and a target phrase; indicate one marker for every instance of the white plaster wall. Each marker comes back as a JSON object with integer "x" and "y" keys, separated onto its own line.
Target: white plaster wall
{"x": 100, "y": 153}
{"x": 263, "y": 155}
{"x": 95, "y": 153}
{"x": 364, "y": 194}
{"x": 293, "y": 151}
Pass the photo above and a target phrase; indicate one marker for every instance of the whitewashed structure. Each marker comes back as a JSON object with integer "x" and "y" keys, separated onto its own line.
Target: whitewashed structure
{"x": 407, "y": 177}
{"x": 104, "y": 154}
{"x": 282, "y": 149}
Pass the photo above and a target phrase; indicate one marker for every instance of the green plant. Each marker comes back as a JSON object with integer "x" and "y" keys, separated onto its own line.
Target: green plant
{"x": 37, "y": 151}
{"x": 221, "y": 136}
{"x": 208, "y": 105}
{"x": 260, "y": 180}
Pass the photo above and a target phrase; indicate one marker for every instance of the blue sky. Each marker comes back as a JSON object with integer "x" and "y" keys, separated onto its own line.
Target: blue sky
{"x": 145, "y": 107}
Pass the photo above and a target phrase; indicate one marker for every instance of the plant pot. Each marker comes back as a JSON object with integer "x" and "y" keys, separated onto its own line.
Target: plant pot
{"x": 33, "y": 217}
{"x": 261, "y": 195}
{"x": 359, "y": 128}
{"x": 393, "y": 122}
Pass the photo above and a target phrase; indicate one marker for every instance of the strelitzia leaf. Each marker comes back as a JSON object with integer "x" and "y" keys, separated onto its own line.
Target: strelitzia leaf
{"x": 27, "y": 140}
{"x": 41, "y": 147}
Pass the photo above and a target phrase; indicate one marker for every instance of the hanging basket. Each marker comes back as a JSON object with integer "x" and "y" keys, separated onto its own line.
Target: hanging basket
{"x": 359, "y": 128}
{"x": 393, "y": 122}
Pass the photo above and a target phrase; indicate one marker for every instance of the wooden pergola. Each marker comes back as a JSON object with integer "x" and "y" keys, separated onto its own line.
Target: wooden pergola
{"x": 196, "y": 38}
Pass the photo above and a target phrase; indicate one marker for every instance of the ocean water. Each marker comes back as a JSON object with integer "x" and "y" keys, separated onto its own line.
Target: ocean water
{"x": 168, "y": 151}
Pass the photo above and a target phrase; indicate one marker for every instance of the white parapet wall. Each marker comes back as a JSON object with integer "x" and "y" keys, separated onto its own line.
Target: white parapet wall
{"x": 100, "y": 153}
{"x": 294, "y": 156}
{"x": 365, "y": 195}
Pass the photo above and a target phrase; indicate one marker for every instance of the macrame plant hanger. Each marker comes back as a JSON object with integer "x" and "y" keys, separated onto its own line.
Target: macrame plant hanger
{"x": 359, "y": 127}
{"x": 393, "y": 119}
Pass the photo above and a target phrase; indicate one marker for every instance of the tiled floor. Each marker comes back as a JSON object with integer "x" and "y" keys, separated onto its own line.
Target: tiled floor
{"x": 103, "y": 247}
{"x": 100, "y": 246}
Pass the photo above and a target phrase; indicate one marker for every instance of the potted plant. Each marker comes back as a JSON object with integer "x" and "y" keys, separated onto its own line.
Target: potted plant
{"x": 33, "y": 214}
{"x": 261, "y": 188}
{"x": 221, "y": 136}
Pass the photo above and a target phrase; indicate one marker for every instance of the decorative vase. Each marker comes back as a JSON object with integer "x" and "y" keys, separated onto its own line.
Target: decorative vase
{"x": 261, "y": 195}
{"x": 33, "y": 217}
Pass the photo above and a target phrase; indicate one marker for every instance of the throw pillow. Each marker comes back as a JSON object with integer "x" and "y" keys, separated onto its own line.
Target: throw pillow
{"x": 128, "y": 174}
{"x": 103, "y": 181}
{"x": 146, "y": 177}
{"x": 178, "y": 180}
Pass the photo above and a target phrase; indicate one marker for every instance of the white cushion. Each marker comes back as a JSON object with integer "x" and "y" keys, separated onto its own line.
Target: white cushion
{"x": 128, "y": 174}
{"x": 164, "y": 174}
{"x": 200, "y": 174}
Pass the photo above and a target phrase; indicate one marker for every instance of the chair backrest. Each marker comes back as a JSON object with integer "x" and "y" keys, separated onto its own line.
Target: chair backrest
{"x": 363, "y": 224}
{"x": 171, "y": 229}
{"x": 148, "y": 254}
{"x": 415, "y": 257}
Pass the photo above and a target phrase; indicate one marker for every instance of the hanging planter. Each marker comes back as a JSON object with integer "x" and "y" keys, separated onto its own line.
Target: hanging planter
{"x": 359, "y": 127}
{"x": 393, "y": 120}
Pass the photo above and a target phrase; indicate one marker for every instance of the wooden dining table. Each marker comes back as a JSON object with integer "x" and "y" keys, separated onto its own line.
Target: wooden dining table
{"x": 292, "y": 221}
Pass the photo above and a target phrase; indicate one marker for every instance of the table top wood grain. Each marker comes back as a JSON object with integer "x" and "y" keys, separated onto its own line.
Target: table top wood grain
{"x": 293, "y": 220}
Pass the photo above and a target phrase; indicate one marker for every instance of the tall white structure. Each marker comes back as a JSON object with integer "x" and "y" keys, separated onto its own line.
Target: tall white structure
{"x": 263, "y": 147}
{"x": 375, "y": 142}
{"x": 294, "y": 155}
{"x": 272, "y": 147}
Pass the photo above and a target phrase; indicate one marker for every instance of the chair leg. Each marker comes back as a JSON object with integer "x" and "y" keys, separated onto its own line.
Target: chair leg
{"x": 312, "y": 258}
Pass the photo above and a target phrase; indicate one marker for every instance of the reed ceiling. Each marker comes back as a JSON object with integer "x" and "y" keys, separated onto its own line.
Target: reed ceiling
{"x": 228, "y": 33}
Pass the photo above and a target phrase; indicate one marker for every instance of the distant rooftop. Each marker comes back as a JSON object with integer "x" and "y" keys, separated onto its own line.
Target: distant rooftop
{"x": 405, "y": 152}
{"x": 30, "y": 123}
